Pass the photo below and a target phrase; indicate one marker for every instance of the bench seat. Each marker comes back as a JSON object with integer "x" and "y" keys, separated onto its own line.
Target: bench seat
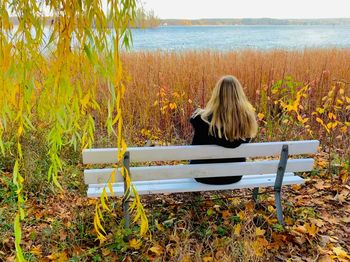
{"x": 191, "y": 185}
{"x": 163, "y": 178}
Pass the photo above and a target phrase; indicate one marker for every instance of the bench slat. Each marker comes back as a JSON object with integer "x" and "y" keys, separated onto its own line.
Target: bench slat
{"x": 168, "y": 153}
{"x": 190, "y": 185}
{"x": 97, "y": 176}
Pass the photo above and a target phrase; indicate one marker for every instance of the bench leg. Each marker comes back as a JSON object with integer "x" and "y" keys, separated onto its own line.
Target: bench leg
{"x": 255, "y": 194}
{"x": 278, "y": 182}
{"x": 126, "y": 213}
{"x": 279, "y": 210}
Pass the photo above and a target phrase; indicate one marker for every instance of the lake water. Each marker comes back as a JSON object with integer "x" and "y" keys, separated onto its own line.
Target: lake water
{"x": 226, "y": 38}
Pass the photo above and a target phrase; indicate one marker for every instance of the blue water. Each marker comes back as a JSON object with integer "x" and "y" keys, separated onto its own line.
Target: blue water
{"x": 224, "y": 38}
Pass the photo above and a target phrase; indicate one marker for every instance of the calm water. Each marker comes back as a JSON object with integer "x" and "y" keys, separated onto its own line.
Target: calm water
{"x": 240, "y": 37}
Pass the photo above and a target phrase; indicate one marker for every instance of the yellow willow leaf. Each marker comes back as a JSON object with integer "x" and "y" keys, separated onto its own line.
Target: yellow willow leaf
{"x": 124, "y": 146}
{"x": 319, "y": 120}
{"x": 56, "y": 183}
{"x": 18, "y": 237}
{"x": 144, "y": 222}
{"x": 103, "y": 197}
{"x": 301, "y": 120}
{"x": 100, "y": 213}
{"x": 126, "y": 177}
{"x": 111, "y": 181}
{"x": 97, "y": 224}
{"x": 15, "y": 173}
{"x": 117, "y": 117}
{"x": 347, "y": 99}
{"x": 19, "y": 150}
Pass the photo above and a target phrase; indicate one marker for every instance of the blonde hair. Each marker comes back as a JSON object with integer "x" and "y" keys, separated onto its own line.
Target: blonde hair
{"x": 232, "y": 116}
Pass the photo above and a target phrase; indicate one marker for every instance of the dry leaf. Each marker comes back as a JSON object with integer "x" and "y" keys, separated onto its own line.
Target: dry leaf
{"x": 157, "y": 249}
{"x": 340, "y": 253}
{"x": 259, "y": 232}
{"x": 311, "y": 229}
{"x": 36, "y": 251}
{"x": 135, "y": 243}
{"x": 237, "y": 229}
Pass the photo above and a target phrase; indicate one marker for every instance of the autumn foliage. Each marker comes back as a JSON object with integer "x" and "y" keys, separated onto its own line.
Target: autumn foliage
{"x": 297, "y": 94}
{"x": 55, "y": 102}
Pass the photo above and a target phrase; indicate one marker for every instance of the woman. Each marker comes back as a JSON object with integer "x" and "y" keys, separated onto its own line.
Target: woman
{"x": 228, "y": 120}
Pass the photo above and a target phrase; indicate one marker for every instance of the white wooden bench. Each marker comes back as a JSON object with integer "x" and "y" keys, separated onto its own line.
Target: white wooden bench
{"x": 180, "y": 178}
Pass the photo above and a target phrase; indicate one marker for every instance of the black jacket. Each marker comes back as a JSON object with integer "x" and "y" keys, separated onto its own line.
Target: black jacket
{"x": 202, "y": 137}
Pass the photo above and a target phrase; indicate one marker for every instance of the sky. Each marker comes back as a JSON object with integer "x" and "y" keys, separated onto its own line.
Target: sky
{"x": 196, "y": 9}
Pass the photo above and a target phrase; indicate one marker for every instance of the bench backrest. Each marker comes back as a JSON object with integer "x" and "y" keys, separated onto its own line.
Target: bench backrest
{"x": 169, "y": 153}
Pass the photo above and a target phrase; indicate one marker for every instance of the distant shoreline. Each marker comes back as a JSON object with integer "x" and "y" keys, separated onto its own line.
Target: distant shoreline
{"x": 253, "y": 21}
{"x": 236, "y": 21}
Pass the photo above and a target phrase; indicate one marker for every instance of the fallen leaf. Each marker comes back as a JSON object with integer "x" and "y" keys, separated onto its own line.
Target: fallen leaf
{"x": 237, "y": 229}
{"x": 106, "y": 252}
{"x": 259, "y": 232}
{"x": 311, "y": 229}
{"x": 207, "y": 259}
{"x": 157, "y": 249}
{"x": 340, "y": 253}
{"x": 346, "y": 219}
{"x": 226, "y": 214}
{"x": 36, "y": 251}
{"x": 135, "y": 243}
{"x": 301, "y": 229}
{"x": 296, "y": 187}
{"x": 325, "y": 258}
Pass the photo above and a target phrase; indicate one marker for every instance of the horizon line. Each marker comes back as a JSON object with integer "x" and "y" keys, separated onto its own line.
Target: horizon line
{"x": 226, "y": 18}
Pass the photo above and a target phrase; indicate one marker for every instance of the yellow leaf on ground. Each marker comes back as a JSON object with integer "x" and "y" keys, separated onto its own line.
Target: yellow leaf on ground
{"x": 36, "y": 251}
{"x": 207, "y": 259}
{"x": 259, "y": 231}
{"x": 296, "y": 187}
{"x": 241, "y": 215}
{"x": 237, "y": 229}
{"x": 311, "y": 229}
{"x": 301, "y": 229}
{"x": 134, "y": 243}
{"x": 340, "y": 253}
{"x": 186, "y": 259}
{"x": 106, "y": 252}
{"x": 157, "y": 249}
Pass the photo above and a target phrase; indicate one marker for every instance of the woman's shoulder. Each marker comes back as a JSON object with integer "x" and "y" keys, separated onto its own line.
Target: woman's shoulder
{"x": 196, "y": 119}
